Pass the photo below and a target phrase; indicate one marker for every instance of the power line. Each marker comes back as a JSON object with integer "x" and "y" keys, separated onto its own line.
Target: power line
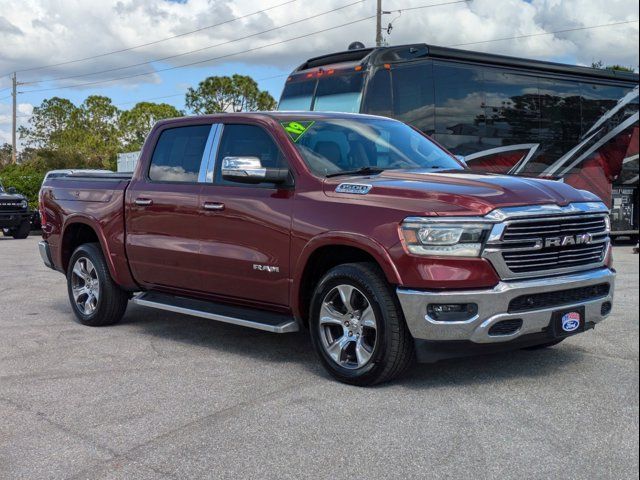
{"x": 153, "y": 42}
{"x": 200, "y": 49}
{"x": 205, "y": 60}
{"x": 315, "y": 33}
{"x": 232, "y": 54}
{"x": 182, "y": 94}
{"x": 425, "y": 6}
{"x": 544, "y": 33}
{"x": 149, "y": 99}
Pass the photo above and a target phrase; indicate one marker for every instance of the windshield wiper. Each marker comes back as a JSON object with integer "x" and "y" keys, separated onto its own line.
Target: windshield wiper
{"x": 358, "y": 171}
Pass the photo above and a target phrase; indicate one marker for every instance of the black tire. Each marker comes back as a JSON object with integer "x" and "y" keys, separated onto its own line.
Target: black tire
{"x": 112, "y": 300}
{"x": 544, "y": 345}
{"x": 22, "y": 231}
{"x": 393, "y": 352}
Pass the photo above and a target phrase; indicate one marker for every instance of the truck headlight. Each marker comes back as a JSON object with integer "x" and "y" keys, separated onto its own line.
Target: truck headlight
{"x": 430, "y": 237}
{"x": 24, "y": 204}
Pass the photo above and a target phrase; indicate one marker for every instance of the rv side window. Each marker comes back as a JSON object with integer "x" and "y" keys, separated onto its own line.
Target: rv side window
{"x": 597, "y": 100}
{"x": 459, "y": 99}
{"x": 512, "y": 107}
{"x": 560, "y": 115}
{"x": 377, "y": 100}
{"x": 413, "y": 95}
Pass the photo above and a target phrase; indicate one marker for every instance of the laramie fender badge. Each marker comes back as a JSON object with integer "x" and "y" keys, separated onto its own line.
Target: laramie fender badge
{"x": 354, "y": 188}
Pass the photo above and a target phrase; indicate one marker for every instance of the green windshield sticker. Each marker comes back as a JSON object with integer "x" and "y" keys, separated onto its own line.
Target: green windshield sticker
{"x": 296, "y": 129}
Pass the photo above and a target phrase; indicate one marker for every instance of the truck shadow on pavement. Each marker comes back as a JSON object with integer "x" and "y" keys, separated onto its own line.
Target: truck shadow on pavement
{"x": 166, "y": 328}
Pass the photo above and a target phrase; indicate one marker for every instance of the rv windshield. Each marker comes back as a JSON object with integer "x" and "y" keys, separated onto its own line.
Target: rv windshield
{"x": 324, "y": 91}
{"x": 335, "y": 146}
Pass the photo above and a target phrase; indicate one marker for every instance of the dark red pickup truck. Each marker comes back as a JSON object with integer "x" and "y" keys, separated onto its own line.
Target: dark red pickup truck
{"x": 357, "y": 228}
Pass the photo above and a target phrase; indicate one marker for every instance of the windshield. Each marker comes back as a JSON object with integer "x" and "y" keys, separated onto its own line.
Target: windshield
{"x": 328, "y": 91}
{"x": 332, "y": 146}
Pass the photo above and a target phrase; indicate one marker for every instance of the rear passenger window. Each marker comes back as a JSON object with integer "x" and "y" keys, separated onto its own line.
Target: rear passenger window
{"x": 178, "y": 154}
{"x": 248, "y": 141}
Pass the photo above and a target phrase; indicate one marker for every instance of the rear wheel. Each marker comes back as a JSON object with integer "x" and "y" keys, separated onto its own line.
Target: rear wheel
{"x": 357, "y": 327}
{"x": 95, "y": 298}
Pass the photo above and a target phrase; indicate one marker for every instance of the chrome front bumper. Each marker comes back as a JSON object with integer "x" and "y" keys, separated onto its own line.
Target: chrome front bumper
{"x": 493, "y": 306}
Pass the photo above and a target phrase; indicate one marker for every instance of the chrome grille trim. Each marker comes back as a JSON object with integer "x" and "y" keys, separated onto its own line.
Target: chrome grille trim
{"x": 516, "y": 245}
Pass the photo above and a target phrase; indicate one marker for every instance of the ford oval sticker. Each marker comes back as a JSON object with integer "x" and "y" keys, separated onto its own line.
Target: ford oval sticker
{"x": 571, "y": 322}
{"x": 353, "y": 188}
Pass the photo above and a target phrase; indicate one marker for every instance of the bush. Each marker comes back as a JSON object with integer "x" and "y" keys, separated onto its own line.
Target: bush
{"x": 26, "y": 179}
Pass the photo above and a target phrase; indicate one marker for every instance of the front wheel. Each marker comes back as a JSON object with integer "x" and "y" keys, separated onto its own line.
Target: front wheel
{"x": 21, "y": 231}
{"x": 95, "y": 298}
{"x": 357, "y": 326}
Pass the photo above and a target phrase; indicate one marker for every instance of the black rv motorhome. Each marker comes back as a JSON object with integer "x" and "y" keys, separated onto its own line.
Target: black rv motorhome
{"x": 503, "y": 114}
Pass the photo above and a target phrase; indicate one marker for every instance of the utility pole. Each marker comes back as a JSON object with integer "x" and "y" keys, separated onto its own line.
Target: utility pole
{"x": 379, "y": 24}
{"x": 14, "y": 94}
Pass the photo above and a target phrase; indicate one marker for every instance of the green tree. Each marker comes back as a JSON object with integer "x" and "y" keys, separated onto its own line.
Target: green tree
{"x": 49, "y": 122}
{"x": 25, "y": 178}
{"x": 237, "y": 93}
{"x": 87, "y": 134}
{"x": 5, "y": 154}
{"x": 135, "y": 124}
{"x": 601, "y": 65}
{"x": 96, "y": 134}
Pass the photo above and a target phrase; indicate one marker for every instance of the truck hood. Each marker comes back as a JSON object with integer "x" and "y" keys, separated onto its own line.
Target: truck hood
{"x": 457, "y": 193}
{"x": 11, "y": 197}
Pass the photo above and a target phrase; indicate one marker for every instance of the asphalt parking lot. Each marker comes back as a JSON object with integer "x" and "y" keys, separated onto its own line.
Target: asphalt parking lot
{"x": 168, "y": 396}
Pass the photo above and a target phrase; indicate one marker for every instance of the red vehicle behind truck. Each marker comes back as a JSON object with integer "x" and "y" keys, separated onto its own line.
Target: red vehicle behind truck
{"x": 358, "y": 228}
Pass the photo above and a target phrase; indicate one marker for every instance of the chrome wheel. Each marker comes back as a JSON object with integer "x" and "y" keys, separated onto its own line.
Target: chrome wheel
{"x": 85, "y": 286}
{"x": 348, "y": 327}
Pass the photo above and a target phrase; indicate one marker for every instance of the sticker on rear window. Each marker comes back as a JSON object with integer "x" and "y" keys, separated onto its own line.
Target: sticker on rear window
{"x": 296, "y": 129}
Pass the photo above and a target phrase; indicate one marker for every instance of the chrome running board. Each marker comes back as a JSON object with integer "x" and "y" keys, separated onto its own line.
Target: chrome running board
{"x": 244, "y": 317}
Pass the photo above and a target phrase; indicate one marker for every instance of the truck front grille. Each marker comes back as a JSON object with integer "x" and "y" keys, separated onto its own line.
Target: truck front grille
{"x": 9, "y": 206}
{"x": 546, "y": 245}
{"x": 523, "y": 262}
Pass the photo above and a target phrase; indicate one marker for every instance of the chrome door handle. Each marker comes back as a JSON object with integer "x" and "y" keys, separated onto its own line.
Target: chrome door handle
{"x": 143, "y": 202}
{"x": 213, "y": 206}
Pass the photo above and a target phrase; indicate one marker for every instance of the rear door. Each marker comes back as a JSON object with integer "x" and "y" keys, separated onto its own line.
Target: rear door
{"x": 163, "y": 219}
{"x": 246, "y": 228}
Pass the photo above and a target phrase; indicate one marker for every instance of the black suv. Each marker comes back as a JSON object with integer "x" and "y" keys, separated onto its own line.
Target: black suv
{"x": 15, "y": 217}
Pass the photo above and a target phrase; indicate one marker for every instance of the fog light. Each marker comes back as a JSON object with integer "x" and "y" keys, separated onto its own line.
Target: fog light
{"x": 452, "y": 312}
{"x": 606, "y": 308}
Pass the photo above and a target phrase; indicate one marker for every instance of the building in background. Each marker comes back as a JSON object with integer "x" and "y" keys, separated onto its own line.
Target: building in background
{"x": 127, "y": 161}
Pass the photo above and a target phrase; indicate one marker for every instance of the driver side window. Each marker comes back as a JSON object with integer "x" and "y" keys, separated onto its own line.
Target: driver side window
{"x": 247, "y": 141}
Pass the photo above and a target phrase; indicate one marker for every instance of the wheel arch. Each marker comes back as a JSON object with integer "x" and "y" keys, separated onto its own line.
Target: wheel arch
{"x": 327, "y": 251}
{"x": 78, "y": 231}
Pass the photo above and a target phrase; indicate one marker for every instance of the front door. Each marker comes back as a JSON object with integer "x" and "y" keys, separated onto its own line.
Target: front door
{"x": 246, "y": 228}
{"x": 163, "y": 231}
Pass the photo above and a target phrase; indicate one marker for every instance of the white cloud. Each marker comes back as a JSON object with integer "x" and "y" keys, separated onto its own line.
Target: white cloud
{"x": 50, "y": 31}
{"x": 43, "y": 32}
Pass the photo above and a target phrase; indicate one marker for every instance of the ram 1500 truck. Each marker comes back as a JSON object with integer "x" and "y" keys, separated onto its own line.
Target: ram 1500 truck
{"x": 358, "y": 228}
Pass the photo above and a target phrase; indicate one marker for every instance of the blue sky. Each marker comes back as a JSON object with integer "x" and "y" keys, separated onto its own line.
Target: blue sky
{"x": 43, "y": 33}
{"x": 173, "y": 83}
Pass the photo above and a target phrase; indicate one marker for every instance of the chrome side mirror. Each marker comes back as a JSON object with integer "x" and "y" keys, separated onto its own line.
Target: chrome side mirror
{"x": 250, "y": 170}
